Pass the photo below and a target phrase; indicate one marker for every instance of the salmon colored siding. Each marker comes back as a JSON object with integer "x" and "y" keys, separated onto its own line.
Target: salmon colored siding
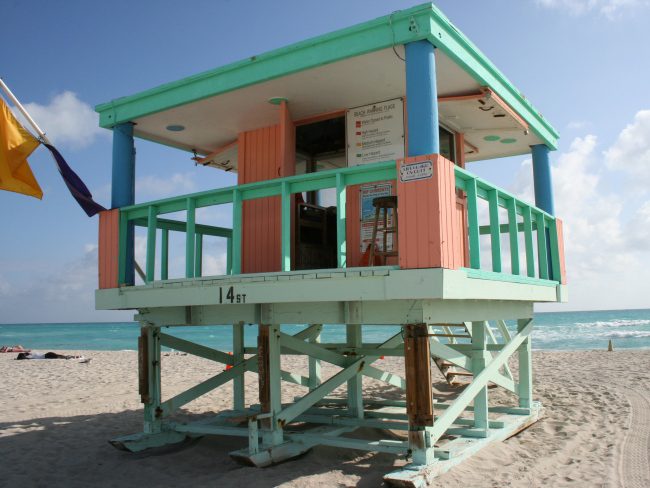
{"x": 461, "y": 201}
{"x": 264, "y": 154}
{"x": 108, "y": 252}
{"x": 428, "y": 219}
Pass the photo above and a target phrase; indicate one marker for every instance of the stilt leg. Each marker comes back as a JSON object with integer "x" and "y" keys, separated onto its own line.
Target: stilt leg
{"x": 478, "y": 365}
{"x": 149, "y": 359}
{"x": 269, "y": 382}
{"x": 238, "y": 356}
{"x": 419, "y": 395}
{"x": 525, "y": 385}
{"x": 355, "y": 385}
{"x": 314, "y": 364}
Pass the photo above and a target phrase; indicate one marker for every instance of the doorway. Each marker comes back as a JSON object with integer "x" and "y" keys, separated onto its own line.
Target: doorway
{"x": 320, "y": 146}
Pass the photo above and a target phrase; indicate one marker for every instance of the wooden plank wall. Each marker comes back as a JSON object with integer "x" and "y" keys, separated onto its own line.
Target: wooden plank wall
{"x": 428, "y": 218}
{"x": 108, "y": 252}
{"x": 264, "y": 154}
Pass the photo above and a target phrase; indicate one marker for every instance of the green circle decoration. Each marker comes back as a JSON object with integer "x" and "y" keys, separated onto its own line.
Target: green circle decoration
{"x": 491, "y": 138}
{"x": 508, "y": 141}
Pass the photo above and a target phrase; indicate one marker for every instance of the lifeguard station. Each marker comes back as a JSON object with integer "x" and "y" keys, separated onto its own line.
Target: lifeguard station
{"x": 319, "y": 133}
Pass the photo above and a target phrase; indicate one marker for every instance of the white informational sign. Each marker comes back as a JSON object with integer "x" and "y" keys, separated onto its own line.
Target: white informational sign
{"x": 375, "y": 132}
{"x": 422, "y": 170}
{"x": 366, "y": 195}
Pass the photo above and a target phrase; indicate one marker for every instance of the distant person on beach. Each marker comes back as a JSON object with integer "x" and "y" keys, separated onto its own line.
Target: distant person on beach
{"x": 47, "y": 355}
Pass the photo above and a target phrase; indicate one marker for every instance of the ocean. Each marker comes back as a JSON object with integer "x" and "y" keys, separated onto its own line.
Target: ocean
{"x": 628, "y": 329}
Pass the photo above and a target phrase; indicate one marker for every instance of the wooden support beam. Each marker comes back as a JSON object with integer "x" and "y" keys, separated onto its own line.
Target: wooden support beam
{"x": 419, "y": 394}
{"x": 525, "y": 386}
{"x": 152, "y": 410}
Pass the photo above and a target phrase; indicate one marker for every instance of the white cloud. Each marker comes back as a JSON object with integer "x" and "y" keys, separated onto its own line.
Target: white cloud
{"x": 66, "y": 120}
{"x": 608, "y": 8}
{"x": 156, "y": 187}
{"x": 631, "y": 151}
{"x": 63, "y": 296}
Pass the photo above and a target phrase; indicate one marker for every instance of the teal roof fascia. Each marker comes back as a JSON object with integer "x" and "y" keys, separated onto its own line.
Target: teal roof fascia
{"x": 420, "y": 22}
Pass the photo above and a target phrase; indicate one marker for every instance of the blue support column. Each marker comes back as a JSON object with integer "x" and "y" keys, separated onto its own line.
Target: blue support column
{"x": 123, "y": 185}
{"x": 542, "y": 178}
{"x": 421, "y": 99}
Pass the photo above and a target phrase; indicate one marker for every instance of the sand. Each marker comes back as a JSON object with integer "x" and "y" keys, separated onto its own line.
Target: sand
{"x": 56, "y": 417}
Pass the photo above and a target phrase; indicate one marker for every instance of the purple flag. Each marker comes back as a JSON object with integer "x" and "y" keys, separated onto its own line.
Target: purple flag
{"x": 77, "y": 187}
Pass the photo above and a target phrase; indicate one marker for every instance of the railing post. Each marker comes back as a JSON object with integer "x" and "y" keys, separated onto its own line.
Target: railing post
{"x": 472, "y": 223}
{"x": 190, "y": 230}
{"x": 513, "y": 230}
{"x": 236, "y": 231}
{"x": 341, "y": 239}
{"x": 285, "y": 264}
{"x": 542, "y": 251}
{"x": 528, "y": 239}
{"x": 198, "y": 255}
{"x": 123, "y": 268}
{"x": 495, "y": 229}
{"x": 152, "y": 224}
{"x": 164, "y": 254}
{"x": 229, "y": 255}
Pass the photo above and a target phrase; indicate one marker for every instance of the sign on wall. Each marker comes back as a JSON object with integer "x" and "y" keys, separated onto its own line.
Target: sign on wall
{"x": 366, "y": 195}
{"x": 375, "y": 132}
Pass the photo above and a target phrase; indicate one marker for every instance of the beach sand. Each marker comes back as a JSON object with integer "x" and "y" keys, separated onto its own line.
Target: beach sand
{"x": 56, "y": 417}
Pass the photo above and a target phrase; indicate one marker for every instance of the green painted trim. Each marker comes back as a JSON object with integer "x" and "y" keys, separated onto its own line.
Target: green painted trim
{"x": 189, "y": 237}
{"x": 121, "y": 260}
{"x": 178, "y": 226}
{"x": 341, "y": 239}
{"x": 513, "y": 230}
{"x": 164, "y": 254}
{"x": 472, "y": 220}
{"x": 495, "y": 234}
{"x": 285, "y": 218}
{"x": 419, "y": 22}
{"x": 151, "y": 244}
{"x": 198, "y": 255}
{"x": 492, "y": 276}
{"x": 528, "y": 239}
{"x": 236, "y": 241}
{"x": 555, "y": 251}
{"x": 542, "y": 251}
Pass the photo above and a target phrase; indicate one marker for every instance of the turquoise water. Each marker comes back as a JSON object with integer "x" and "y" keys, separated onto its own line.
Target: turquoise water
{"x": 555, "y": 331}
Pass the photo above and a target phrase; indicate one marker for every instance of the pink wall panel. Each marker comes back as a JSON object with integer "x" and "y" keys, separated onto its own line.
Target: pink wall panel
{"x": 429, "y": 227}
{"x": 264, "y": 154}
{"x": 108, "y": 252}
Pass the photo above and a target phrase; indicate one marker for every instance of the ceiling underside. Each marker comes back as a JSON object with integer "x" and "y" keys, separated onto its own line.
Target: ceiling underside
{"x": 377, "y": 76}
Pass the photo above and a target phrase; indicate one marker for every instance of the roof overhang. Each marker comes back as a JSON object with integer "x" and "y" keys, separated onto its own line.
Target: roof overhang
{"x": 346, "y": 68}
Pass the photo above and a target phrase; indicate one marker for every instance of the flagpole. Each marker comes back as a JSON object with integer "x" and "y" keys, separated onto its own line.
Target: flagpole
{"x": 20, "y": 107}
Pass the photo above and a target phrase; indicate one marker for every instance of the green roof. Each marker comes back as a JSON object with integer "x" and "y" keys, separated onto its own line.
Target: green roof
{"x": 421, "y": 22}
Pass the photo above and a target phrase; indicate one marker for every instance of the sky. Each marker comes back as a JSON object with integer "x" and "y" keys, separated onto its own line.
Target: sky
{"x": 582, "y": 63}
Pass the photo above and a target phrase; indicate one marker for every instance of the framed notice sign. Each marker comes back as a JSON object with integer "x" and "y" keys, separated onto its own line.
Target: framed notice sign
{"x": 375, "y": 132}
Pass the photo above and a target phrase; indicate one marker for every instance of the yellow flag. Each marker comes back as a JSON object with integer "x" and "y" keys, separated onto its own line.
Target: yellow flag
{"x": 16, "y": 144}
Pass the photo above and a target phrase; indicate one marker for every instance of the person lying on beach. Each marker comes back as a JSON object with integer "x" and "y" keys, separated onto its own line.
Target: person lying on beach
{"x": 47, "y": 355}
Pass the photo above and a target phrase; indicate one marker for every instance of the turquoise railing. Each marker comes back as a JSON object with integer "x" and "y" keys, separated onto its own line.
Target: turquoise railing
{"x": 147, "y": 215}
{"x": 539, "y": 230}
{"x": 538, "y": 227}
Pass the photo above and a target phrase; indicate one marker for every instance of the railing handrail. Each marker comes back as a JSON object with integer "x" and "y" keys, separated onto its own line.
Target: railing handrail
{"x": 273, "y": 188}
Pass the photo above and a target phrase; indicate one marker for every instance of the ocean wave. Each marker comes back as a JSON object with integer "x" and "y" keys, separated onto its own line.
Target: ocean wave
{"x": 631, "y": 334}
{"x": 615, "y": 323}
